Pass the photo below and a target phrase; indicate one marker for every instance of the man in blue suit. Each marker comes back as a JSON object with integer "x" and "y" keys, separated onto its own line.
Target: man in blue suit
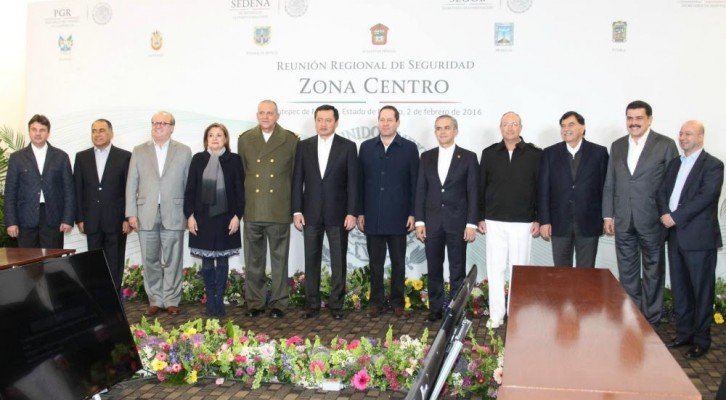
{"x": 39, "y": 191}
{"x": 446, "y": 210}
{"x": 688, "y": 205}
{"x": 571, "y": 179}
{"x": 388, "y": 172}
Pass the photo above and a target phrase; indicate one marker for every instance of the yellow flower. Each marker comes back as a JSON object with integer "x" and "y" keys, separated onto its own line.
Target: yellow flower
{"x": 190, "y": 331}
{"x": 408, "y": 303}
{"x": 158, "y": 365}
{"x": 718, "y": 318}
{"x": 368, "y": 294}
{"x": 418, "y": 284}
{"x": 192, "y": 377}
{"x": 355, "y": 298}
{"x": 408, "y": 282}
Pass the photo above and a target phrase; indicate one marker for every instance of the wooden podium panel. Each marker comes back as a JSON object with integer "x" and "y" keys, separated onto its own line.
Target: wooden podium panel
{"x": 13, "y": 257}
{"x": 575, "y": 334}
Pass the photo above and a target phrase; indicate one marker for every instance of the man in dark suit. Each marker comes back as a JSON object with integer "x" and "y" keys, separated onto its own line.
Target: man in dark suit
{"x": 635, "y": 172}
{"x": 571, "y": 178}
{"x": 388, "y": 172}
{"x": 100, "y": 174}
{"x": 446, "y": 210}
{"x": 324, "y": 196}
{"x": 688, "y": 205}
{"x": 39, "y": 195}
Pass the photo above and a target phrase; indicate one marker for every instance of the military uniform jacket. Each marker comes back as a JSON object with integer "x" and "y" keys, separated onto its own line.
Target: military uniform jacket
{"x": 268, "y": 174}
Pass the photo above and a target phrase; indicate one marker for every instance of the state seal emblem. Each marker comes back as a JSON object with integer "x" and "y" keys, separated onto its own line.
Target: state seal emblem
{"x": 519, "y": 6}
{"x": 379, "y": 34}
{"x": 156, "y": 40}
{"x": 504, "y": 34}
{"x": 101, "y": 13}
{"x": 65, "y": 44}
{"x": 620, "y": 31}
{"x": 296, "y": 8}
{"x": 262, "y": 35}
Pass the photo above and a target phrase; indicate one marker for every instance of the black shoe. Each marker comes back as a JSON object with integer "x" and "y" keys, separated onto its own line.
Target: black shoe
{"x": 276, "y": 313}
{"x": 678, "y": 343}
{"x": 253, "y": 312}
{"x": 337, "y": 314}
{"x": 434, "y": 316}
{"x": 311, "y": 313}
{"x": 695, "y": 351}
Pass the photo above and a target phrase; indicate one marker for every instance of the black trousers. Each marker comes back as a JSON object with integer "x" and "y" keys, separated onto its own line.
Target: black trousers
{"x": 455, "y": 246}
{"x": 41, "y": 236}
{"x": 583, "y": 248}
{"x": 377, "y": 256}
{"x": 313, "y": 242}
{"x": 693, "y": 280}
{"x": 114, "y": 247}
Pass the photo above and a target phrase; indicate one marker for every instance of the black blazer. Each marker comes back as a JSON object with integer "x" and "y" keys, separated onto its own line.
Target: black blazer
{"x": 101, "y": 206}
{"x": 454, "y": 203}
{"x": 558, "y": 193}
{"x": 326, "y": 200}
{"x": 231, "y": 165}
{"x": 697, "y": 214}
{"x": 24, "y": 183}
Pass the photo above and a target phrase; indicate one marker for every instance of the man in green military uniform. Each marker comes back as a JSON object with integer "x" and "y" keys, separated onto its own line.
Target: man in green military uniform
{"x": 268, "y": 157}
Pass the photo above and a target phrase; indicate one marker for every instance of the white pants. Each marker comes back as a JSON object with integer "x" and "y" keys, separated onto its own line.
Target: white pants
{"x": 508, "y": 243}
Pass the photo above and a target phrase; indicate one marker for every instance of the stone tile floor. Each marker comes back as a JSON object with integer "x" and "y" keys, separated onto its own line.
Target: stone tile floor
{"x": 706, "y": 373}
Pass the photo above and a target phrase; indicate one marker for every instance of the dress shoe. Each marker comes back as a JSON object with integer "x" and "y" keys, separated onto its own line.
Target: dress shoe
{"x": 276, "y": 313}
{"x": 173, "y": 310}
{"x": 311, "y": 313}
{"x": 399, "y": 312}
{"x": 253, "y": 312}
{"x": 695, "y": 351}
{"x": 153, "y": 310}
{"x": 678, "y": 343}
{"x": 337, "y": 314}
{"x": 373, "y": 311}
{"x": 434, "y": 316}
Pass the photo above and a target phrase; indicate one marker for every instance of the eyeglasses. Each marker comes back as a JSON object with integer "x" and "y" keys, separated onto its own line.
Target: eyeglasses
{"x": 512, "y": 124}
{"x": 159, "y": 123}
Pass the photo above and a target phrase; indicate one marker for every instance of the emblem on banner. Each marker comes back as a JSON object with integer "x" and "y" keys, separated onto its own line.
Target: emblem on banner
{"x": 156, "y": 40}
{"x": 379, "y": 34}
{"x": 262, "y": 35}
{"x": 504, "y": 34}
{"x": 620, "y": 31}
{"x": 65, "y": 44}
{"x": 101, "y": 13}
{"x": 519, "y": 6}
{"x": 296, "y": 8}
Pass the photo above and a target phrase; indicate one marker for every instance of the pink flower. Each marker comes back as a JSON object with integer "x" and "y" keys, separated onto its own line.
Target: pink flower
{"x": 127, "y": 293}
{"x": 139, "y": 333}
{"x": 238, "y": 372}
{"x": 161, "y": 356}
{"x": 295, "y": 340}
{"x": 219, "y": 381}
{"x": 361, "y": 379}
{"x": 250, "y": 370}
{"x": 204, "y": 299}
{"x": 160, "y": 376}
{"x": 176, "y": 367}
{"x": 354, "y": 344}
{"x": 262, "y": 338}
{"x": 239, "y": 359}
{"x": 317, "y": 365}
{"x": 498, "y": 373}
{"x": 244, "y": 339}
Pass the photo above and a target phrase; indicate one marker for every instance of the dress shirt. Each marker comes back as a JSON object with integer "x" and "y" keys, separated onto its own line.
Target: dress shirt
{"x": 573, "y": 150}
{"x": 635, "y": 150}
{"x": 324, "y": 146}
{"x": 101, "y": 158}
{"x": 161, "y": 152}
{"x": 266, "y": 135}
{"x": 40, "y": 154}
{"x": 445, "y": 157}
{"x": 687, "y": 163}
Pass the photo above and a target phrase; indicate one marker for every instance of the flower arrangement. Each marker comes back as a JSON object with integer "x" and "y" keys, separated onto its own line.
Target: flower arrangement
{"x": 719, "y": 306}
{"x": 207, "y": 349}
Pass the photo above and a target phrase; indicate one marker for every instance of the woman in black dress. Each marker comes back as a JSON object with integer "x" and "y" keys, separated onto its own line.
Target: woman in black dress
{"x": 214, "y": 205}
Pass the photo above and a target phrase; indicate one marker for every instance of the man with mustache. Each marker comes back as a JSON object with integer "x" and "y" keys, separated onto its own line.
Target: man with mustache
{"x": 636, "y": 168}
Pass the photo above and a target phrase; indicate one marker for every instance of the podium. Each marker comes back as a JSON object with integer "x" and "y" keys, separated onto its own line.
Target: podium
{"x": 576, "y": 334}
{"x": 14, "y": 257}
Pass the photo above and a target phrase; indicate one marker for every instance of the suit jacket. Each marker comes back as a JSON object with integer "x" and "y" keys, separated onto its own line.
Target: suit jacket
{"x": 101, "y": 205}
{"x": 268, "y": 174}
{"x": 559, "y": 196}
{"x": 454, "y": 203}
{"x": 696, "y": 216}
{"x": 23, "y": 185}
{"x": 326, "y": 200}
{"x": 145, "y": 183}
{"x": 387, "y": 184}
{"x": 629, "y": 195}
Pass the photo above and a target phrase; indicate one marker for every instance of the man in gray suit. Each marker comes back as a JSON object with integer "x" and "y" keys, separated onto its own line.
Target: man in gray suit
{"x": 154, "y": 207}
{"x": 635, "y": 171}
